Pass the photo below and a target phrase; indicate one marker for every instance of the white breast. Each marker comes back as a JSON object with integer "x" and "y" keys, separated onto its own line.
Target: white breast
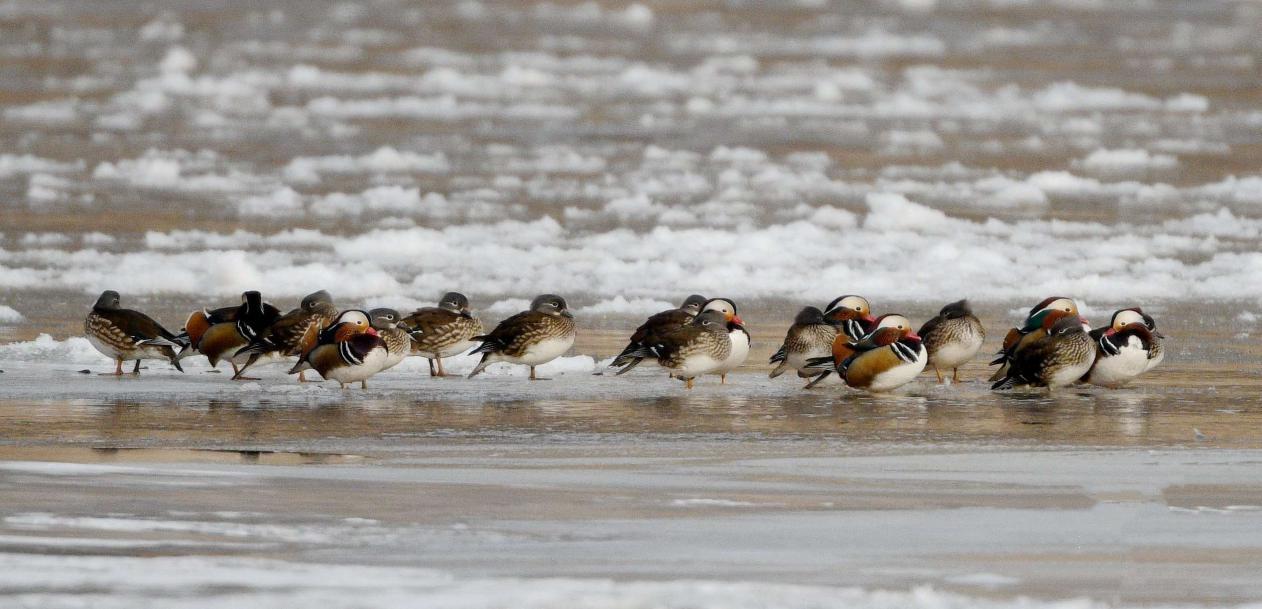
{"x": 105, "y": 349}
{"x": 1131, "y": 361}
{"x": 740, "y": 352}
{"x": 956, "y": 354}
{"x": 373, "y": 363}
{"x": 697, "y": 365}
{"x": 543, "y": 351}
{"x": 1069, "y": 375}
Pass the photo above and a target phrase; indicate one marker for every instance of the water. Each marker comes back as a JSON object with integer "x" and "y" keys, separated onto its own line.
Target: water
{"x": 915, "y": 152}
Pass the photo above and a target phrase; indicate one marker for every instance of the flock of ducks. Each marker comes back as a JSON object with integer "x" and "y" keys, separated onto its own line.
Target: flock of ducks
{"x": 842, "y": 342}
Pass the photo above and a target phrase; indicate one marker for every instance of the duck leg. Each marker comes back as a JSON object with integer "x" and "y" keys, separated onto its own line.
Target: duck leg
{"x": 136, "y": 371}
{"x": 955, "y": 375}
{"x": 723, "y": 379}
{"x": 688, "y": 384}
{"x": 302, "y": 376}
{"x": 431, "y": 367}
{"x": 440, "y": 366}
{"x": 363, "y": 384}
{"x": 118, "y": 369}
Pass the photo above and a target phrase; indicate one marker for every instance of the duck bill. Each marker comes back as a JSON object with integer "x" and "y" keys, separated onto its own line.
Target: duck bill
{"x": 567, "y": 314}
{"x": 736, "y": 319}
{"x": 371, "y": 332}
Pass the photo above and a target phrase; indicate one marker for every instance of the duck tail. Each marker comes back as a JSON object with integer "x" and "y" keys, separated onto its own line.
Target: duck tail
{"x": 627, "y": 356}
{"x": 1004, "y": 384}
{"x": 299, "y": 366}
{"x": 819, "y": 379}
{"x": 486, "y": 361}
{"x": 821, "y": 364}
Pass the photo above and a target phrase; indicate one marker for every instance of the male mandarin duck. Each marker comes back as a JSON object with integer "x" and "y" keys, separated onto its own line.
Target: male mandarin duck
{"x": 442, "y": 331}
{"x": 1033, "y": 321}
{"x": 890, "y": 356}
{"x": 1125, "y": 351}
{"x": 531, "y": 338}
{"x": 225, "y": 330}
{"x": 124, "y": 335}
{"x": 696, "y": 348}
{"x": 952, "y": 338}
{"x": 348, "y": 351}
{"x": 656, "y": 326}
{"x": 736, "y": 333}
{"x": 284, "y": 336}
{"x": 1058, "y": 357}
{"x": 854, "y": 314}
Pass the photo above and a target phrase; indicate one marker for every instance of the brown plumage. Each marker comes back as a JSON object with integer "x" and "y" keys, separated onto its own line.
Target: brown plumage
{"x": 694, "y": 349}
{"x": 124, "y": 334}
{"x": 1060, "y": 356}
{"x": 654, "y": 328}
{"x": 442, "y": 331}
{"x": 285, "y": 335}
{"x": 810, "y": 336}
{"x": 532, "y": 337}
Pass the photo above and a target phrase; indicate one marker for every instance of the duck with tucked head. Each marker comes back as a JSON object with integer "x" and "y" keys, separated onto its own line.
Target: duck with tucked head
{"x": 654, "y": 328}
{"x": 1059, "y": 357}
{"x": 124, "y": 335}
{"x": 736, "y": 333}
{"x": 1125, "y": 349}
{"x": 813, "y": 332}
{"x": 443, "y": 331}
{"x": 1033, "y": 321}
{"x": 216, "y": 332}
{"x": 284, "y": 336}
{"x": 532, "y": 337}
{"x": 348, "y": 351}
{"x": 952, "y": 338}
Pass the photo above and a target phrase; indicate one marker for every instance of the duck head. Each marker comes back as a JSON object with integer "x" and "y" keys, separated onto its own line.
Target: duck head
{"x": 810, "y": 316}
{"x": 1066, "y": 326}
{"x": 551, "y": 304}
{"x": 1055, "y": 302}
{"x": 711, "y": 320}
{"x": 351, "y": 323}
{"x": 693, "y": 304}
{"x": 956, "y": 310}
{"x": 316, "y": 300}
{"x": 1132, "y": 319}
{"x": 251, "y": 302}
{"x": 895, "y": 325}
{"x": 849, "y": 307}
{"x": 383, "y": 319}
{"x": 108, "y": 299}
{"x": 455, "y": 302}
{"x": 727, "y": 307}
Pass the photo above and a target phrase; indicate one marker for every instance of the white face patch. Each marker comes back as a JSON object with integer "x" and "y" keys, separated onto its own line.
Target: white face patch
{"x": 1124, "y": 318}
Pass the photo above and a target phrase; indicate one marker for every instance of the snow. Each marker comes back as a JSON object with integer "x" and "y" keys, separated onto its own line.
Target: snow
{"x": 74, "y": 350}
{"x": 9, "y": 315}
{"x": 1125, "y": 162}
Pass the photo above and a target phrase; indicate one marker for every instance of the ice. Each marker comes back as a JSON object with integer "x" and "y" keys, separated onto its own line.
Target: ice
{"x": 73, "y": 350}
{"x": 1125, "y": 162}
{"x": 9, "y": 315}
